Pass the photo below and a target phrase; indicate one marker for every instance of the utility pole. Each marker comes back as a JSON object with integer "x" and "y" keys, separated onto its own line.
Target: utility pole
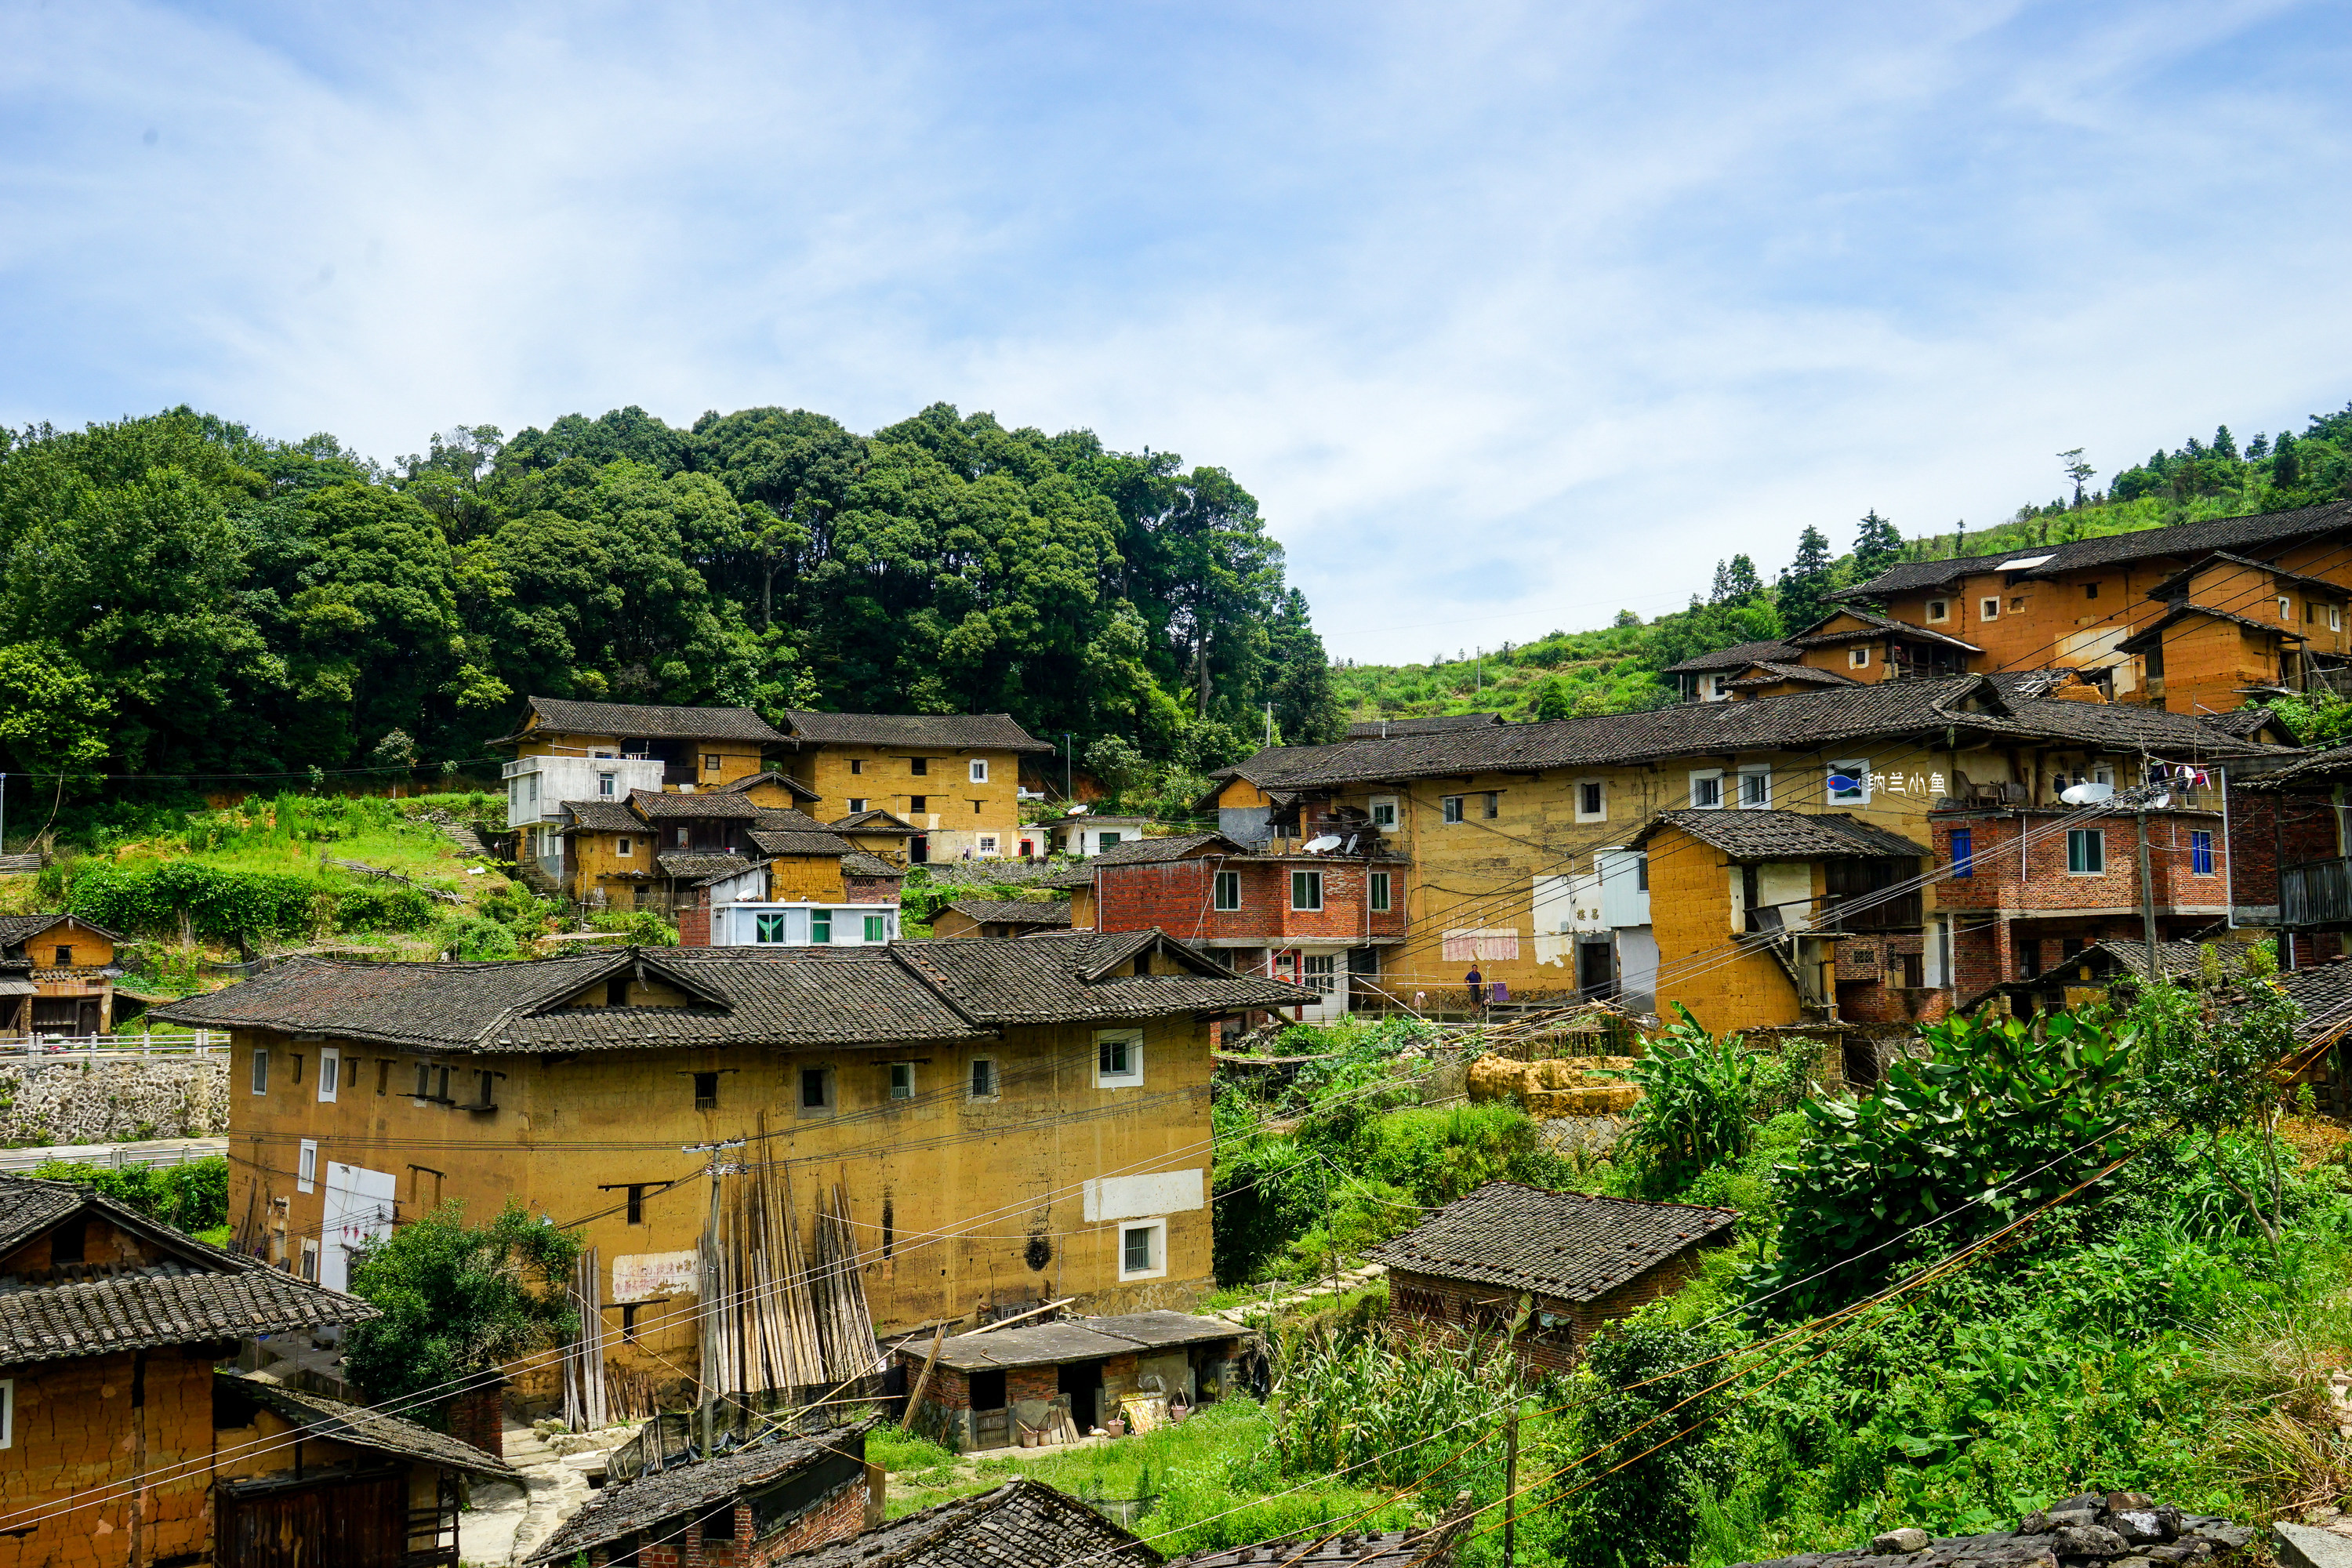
{"x": 1065, "y": 767}
{"x": 2147, "y": 897}
{"x": 1269, "y": 723}
{"x": 1511, "y": 1479}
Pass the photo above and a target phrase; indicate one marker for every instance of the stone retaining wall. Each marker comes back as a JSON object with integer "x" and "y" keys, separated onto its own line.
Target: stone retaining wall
{"x": 117, "y": 1100}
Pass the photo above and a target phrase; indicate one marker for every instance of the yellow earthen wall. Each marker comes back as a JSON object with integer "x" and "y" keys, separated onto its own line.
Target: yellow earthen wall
{"x": 79, "y": 1432}
{"x": 2208, "y": 662}
{"x": 1692, "y": 917}
{"x": 805, "y": 878}
{"x": 597, "y": 862}
{"x": 888, "y": 780}
{"x": 965, "y": 1185}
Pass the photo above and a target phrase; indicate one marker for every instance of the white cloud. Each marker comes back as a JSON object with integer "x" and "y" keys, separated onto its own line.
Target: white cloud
{"x": 1509, "y": 316}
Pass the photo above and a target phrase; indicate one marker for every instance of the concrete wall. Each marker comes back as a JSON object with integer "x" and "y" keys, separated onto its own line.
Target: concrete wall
{"x": 65, "y": 1099}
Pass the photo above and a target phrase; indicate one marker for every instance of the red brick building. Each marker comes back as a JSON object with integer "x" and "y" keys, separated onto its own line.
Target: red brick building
{"x": 753, "y": 1506}
{"x": 1570, "y": 1261}
{"x": 1316, "y": 917}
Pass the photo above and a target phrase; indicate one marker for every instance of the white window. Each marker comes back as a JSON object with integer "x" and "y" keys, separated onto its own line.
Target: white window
{"x": 1706, "y": 789}
{"x": 2104, "y": 773}
{"x": 1384, "y": 812}
{"x": 1143, "y": 1249}
{"x": 2335, "y": 617}
{"x": 1989, "y": 609}
{"x": 626, "y": 848}
{"x": 1592, "y": 801}
{"x": 1228, "y": 890}
{"x": 856, "y": 804}
{"x": 532, "y": 787}
{"x": 1307, "y": 889}
{"x": 1118, "y": 1058}
{"x": 988, "y": 843}
{"x": 876, "y": 928}
{"x": 1939, "y": 609}
{"x": 604, "y": 785}
{"x": 311, "y": 1259}
{"x": 2286, "y": 608}
{"x": 1452, "y": 806}
{"x": 306, "y": 1167}
{"x": 331, "y": 1074}
{"x": 261, "y": 1072}
{"x": 1322, "y": 972}
{"x": 1716, "y": 683}
{"x": 902, "y": 1080}
{"x": 1755, "y": 788}
{"x": 980, "y": 770}
{"x": 1857, "y": 657}
{"x": 982, "y": 1082}
{"x": 7, "y": 1412}
{"x": 1849, "y": 782}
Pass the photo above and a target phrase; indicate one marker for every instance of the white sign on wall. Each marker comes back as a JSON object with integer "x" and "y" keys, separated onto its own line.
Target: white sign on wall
{"x": 642, "y": 1275}
{"x": 1143, "y": 1197}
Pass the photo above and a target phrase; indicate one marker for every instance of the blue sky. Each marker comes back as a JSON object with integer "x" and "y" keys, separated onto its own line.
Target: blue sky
{"x": 1509, "y": 316}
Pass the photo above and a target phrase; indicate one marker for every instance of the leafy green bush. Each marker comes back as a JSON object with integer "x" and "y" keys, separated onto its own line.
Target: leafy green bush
{"x": 1659, "y": 1449}
{"x": 190, "y": 1197}
{"x": 1699, "y": 1098}
{"x": 223, "y": 906}
{"x": 477, "y": 940}
{"x": 365, "y": 907}
{"x": 642, "y": 927}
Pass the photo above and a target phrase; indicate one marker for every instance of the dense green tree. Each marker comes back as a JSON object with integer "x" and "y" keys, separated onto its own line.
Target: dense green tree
{"x": 1306, "y": 708}
{"x": 1877, "y": 544}
{"x": 1804, "y": 585}
{"x": 1735, "y": 582}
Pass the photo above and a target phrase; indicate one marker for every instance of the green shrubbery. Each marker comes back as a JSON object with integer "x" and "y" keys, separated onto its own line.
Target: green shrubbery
{"x": 223, "y": 906}
{"x": 192, "y": 1198}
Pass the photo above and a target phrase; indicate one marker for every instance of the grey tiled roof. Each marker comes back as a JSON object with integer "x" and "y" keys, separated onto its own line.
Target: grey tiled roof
{"x": 858, "y": 863}
{"x": 2325, "y": 995}
{"x": 749, "y": 782}
{"x": 17, "y": 930}
{"x": 1739, "y": 656}
{"x": 855, "y": 996}
{"x": 953, "y": 732}
{"x": 1077, "y": 1339}
{"x": 602, "y": 817}
{"x": 1873, "y": 625}
{"x": 692, "y": 1491}
{"x": 364, "y": 1428}
{"x": 1429, "y": 724}
{"x": 1176, "y": 846}
{"x": 1015, "y": 911}
{"x": 659, "y": 805}
{"x": 1801, "y": 722}
{"x": 2244, "y": 723}
{"x": 1021, "y": 1525}
{"x": 188, "y": 1292}
{"x": 806, "y": 841}
{"x": 873, "y": 820}
{"x": 702, "y": 870}
{"x": 1775, "y": 673}
{"x": 1430, "y": 1548}
{"x": 2187, "y": 539}
{"x": 1572, "y": 1247}
{"x": 2333, "y": 765}
{"x": 632, "y": 721}
{"x": 2178, "y": 584}
{"x": 1783, "y": 835}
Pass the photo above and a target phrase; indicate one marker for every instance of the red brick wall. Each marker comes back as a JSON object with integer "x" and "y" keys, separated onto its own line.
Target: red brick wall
{"x": 2045, "y": 885}
{"x": 1869, "y": 983}
{"x": 1032, "y": 1382}
{"x": 871, "y": 889}
{"x": 840, "y": 1515}
{"x": 694, "y": 926}
{"x": 477, "y": 1417}
{"x": 1176, "y": 897}
{"x": 2267, "y": 831}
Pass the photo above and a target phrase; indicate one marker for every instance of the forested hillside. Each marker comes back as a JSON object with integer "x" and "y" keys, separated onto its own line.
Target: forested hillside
{"x": 1615, "y": 668}
{"x": 184, "y": 597}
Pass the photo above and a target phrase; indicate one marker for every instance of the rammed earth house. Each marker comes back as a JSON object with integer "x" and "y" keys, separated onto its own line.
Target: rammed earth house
{"x": 956, "y": 777}
{"x": 993, "y": 1121}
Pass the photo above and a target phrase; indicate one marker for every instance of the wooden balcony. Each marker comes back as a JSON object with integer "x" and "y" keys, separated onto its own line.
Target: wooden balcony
{"x": 2316, "y": 893}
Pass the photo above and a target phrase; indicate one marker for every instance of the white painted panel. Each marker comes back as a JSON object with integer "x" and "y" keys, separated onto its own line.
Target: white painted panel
{"x": 1138, "y": 1197}
{"x": 641, "y": 1275}
{"x": 1789, "y": 884}
{"x": 1624, "y": 901}
{"x": 359, "y": 1205}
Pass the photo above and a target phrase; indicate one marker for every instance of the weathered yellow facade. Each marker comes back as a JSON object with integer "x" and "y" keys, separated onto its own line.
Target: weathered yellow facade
{"x": 941, "y": 799}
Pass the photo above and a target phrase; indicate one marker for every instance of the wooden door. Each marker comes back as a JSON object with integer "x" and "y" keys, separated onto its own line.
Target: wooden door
{"x": 349, "y": 1521}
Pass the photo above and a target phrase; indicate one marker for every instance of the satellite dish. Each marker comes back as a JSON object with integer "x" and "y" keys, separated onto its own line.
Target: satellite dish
{"x": 2087, "y": 793}
{"x": 1317, "y": 846}
{"x": 2159, "y": 803}
{"x": 1076, "y": 810}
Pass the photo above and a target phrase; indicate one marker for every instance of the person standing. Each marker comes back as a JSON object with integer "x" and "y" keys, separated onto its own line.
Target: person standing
{"x": 1477, "y": 985}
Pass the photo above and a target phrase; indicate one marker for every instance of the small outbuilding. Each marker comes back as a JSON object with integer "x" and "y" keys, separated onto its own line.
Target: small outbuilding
{"x": 1021, "y": 1525}
{"x": 1001, "y": 917}
{"x": 1091, "y": 835}
{"x": 1568, "y": 1261}
{"x": 1082, "y": 1368}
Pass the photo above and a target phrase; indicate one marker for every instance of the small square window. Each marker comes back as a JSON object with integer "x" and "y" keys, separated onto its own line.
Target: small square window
{"x": 1384, "y": 812}
{"x": 2016, "y": 602}
{"x": 261, "y": 1072}
{"x": 1453, "y": 807}
{"x": 1379, "y": 892}
{"x": 1494, "y": 804}
{"x": 1939, "y": 610}
{"x": 625, "y": 848}
{"x": 1592, "y": 801}
{"x": 816, "y": 1088}
{"x": 1307, "y": 890}
{"x": 1849, "y": 782}
{"x": 1988, "y": 610}
{"x": 1857, "y": 657}
{"x": 2090, "y": 590}
{"x": 987, "y": 842}
{"x": 605, "y": 785}
{"x": 1118, "y": 1058}
{"x": 705, "y": 1092}
{"x": 874, "y": 929}
{"x": 857, "y": 765}
{"x": 2200, "y": 853}
{"x": 65, "y": 958}
{"x": 1755, "y": 789}
{"x": 1228, "y": 890}
{"x": 856, "y": 804}
{"x": 2086, "y": 851}
{"x": 918, "y": 803}
{"x": 978, "y": 770}
{"x": 681, "y": 838}
{"x": 902, "y": 1080}
{"x": 1707, "y": 790}
{"x": 1143, "y": 1249}
{"x": 982, "y": 1085}
{"x": 710, "y": 761}
{"x": 919, "y": 766}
